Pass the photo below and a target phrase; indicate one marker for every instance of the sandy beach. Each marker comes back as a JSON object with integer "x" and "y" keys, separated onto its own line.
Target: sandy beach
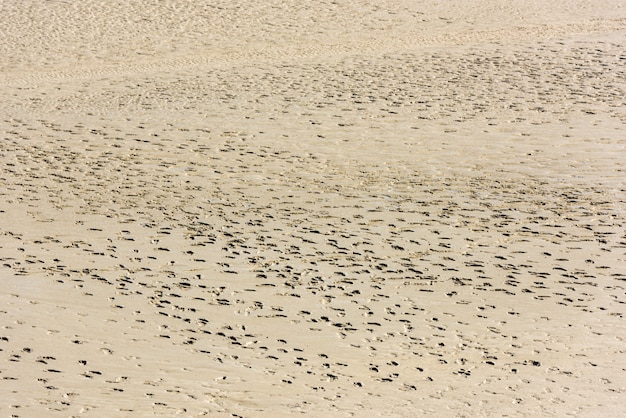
{"x": 325, "y": 209}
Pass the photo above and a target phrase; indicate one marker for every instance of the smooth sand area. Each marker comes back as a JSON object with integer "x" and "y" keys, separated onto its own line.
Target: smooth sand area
{"x": 323, "y": 209}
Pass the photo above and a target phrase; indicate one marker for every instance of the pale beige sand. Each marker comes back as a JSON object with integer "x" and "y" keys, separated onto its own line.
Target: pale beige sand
{"x": 332, "y": 208}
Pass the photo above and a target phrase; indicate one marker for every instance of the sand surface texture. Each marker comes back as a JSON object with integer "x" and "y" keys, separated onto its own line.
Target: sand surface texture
{"x": 331, "y": 208}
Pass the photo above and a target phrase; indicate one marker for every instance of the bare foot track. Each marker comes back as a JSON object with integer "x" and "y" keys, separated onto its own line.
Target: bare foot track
{"x": 331, "y": 208}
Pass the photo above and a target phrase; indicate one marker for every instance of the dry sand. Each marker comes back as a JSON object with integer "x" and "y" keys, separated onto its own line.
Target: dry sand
{"x": 331, "y": 208}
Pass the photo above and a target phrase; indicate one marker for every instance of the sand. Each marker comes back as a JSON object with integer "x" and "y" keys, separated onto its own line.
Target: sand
{"x": 332, "y": 208}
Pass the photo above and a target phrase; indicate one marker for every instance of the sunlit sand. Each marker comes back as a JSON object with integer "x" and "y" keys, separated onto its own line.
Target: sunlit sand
{"x": 325, "y": 209}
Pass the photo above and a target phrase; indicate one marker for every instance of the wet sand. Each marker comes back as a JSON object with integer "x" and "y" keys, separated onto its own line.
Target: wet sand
{"x": 343, "y": 208}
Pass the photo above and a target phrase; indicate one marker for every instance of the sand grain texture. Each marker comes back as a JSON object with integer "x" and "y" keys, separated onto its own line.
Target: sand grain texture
{"x": 346, "y": 208}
